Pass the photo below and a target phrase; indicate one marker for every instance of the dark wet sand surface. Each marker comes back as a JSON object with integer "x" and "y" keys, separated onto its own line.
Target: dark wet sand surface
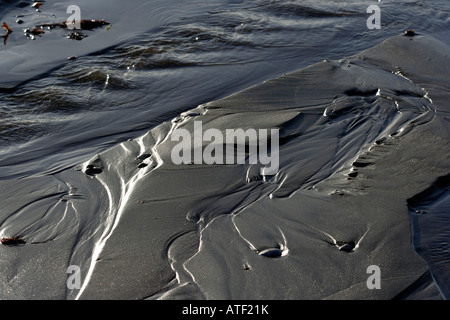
{"x": 358, "y": 138}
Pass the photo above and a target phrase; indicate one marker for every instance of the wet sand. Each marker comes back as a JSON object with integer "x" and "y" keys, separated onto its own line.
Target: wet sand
{"x": 358, "y": 138}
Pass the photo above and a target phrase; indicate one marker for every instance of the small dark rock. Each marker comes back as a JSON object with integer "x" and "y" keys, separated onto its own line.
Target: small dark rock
{"x": 361, "y": 164}
{"x": 144, "y": 156}
{"x": 13, "y": 241}
{"x": 271, "y": 253}
{"x": 92, "y": 171}
{"x": 410, "y": 33}
{"x": 76, "y": 36}
{"x": 89, "y": 24}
